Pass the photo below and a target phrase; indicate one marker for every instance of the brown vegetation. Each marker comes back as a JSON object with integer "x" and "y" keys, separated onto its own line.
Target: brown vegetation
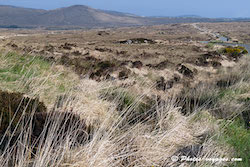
{"x": 144, "y": 94}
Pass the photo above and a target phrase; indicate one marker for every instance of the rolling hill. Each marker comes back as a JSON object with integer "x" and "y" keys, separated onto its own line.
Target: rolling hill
{"x": 80, "y": 16}
{"x": 73, "y": 16}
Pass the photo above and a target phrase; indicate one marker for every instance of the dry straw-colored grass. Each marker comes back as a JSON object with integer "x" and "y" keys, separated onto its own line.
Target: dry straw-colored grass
{"x": 115, "y": 141}
{"x": 141, "y": 144}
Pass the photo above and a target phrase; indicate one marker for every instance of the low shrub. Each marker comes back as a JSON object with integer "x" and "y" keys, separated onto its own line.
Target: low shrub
{"x": 235, "y": 52}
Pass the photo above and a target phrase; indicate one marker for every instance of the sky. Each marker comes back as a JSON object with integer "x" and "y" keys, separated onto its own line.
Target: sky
{"x": 205, "y": 8}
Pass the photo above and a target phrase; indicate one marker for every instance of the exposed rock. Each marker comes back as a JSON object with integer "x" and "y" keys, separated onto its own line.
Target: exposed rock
{"x": 126, "y": 42}
{"x": 138, "y": 41}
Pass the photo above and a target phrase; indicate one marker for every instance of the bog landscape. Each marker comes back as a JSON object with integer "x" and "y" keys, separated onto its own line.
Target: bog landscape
{"x": 81, "y": 87}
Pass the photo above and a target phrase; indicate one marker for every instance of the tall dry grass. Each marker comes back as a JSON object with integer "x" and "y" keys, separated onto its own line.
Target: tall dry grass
{"x": 114, "y": 140}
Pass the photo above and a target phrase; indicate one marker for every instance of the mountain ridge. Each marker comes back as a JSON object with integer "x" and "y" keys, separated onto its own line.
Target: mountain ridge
{"x": 77, "y": 15}
{"x": 82, "y": 16}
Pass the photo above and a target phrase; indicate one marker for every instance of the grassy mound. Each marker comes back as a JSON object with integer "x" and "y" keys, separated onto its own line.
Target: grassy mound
{"x": 34, "y": 76}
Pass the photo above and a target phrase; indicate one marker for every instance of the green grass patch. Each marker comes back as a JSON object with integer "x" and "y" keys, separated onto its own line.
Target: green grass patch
{"x": 33, "y": 76}
{"x": 122, "y": 97}
{"x": 18, "y": 66}
{"x": 238, "y": 137}
{"x": 210, "y": 45}
{"x": 230, "y": 93}
{"x": 133, "y": 107}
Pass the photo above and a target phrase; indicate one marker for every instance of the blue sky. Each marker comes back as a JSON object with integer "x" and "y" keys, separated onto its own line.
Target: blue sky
{"x": 206, "y": 8}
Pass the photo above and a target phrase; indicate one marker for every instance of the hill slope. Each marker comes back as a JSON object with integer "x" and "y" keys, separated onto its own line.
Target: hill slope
{"x": 82, "y": 16}
{"x": 10, "y": 15}
{"x": 85, "y": 16}
{"x": 77, "y": 15}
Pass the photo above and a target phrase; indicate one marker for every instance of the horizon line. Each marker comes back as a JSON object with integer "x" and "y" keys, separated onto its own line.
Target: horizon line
{"x": 159, "y": 16}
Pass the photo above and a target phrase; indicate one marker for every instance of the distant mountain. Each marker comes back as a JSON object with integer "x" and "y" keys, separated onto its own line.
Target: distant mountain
{"x": 10, "y": 15}
{"x": 80, "y": 16}
{"x": 181, "y": 16}
{"x": 119, "y": 13}
{"x": 84, "y": 16}
{"x": 190, "y": 16}
{"x": 73, "y": 16}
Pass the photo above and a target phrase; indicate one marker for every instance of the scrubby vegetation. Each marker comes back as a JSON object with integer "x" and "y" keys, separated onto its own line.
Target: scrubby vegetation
{"x": 139, "y": 131}
{"x": 238, "y": 136}
{"x": 93, "y": 99}
{"x": 235, "y": 52}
